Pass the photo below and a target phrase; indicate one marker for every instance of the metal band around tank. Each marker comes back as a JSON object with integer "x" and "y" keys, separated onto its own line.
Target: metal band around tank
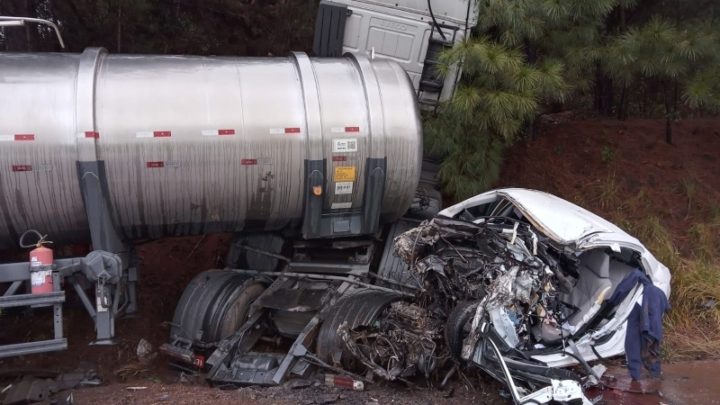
{"x": 91, "y": 172}
{"x": 313, "y": 121}
{"x": 85, "y": 130}
{"x": 314, "y": 160}
{"x": 376, "y": 131}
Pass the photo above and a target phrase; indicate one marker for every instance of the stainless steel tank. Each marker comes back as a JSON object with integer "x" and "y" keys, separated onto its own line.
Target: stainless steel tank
{"x": 191, "y": 145}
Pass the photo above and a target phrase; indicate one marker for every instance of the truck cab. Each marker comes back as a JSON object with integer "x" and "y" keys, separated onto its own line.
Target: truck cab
{"x": 412, "y": 33}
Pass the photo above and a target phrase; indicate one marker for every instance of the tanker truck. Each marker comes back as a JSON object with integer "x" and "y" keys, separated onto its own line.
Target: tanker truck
{"x": 311, "y": 162}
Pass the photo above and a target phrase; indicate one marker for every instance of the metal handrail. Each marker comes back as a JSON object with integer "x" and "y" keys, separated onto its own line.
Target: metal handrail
{"x": 8, "y": 21}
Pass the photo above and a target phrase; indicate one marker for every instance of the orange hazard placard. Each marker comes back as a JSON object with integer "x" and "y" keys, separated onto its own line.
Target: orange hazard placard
{"x": 344, "y": 173}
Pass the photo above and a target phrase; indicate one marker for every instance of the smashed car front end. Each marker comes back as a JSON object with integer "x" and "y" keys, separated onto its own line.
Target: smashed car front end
{"x": 529, "y": 292}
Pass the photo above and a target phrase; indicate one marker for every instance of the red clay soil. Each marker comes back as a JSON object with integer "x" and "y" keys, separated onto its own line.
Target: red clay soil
{"x": 575, "y": 159}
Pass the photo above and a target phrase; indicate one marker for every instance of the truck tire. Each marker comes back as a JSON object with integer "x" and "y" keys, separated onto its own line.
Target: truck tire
{"x": 214, "y": 304}
{"x": 358, "y": 308}
{"x": 456, "y": 326}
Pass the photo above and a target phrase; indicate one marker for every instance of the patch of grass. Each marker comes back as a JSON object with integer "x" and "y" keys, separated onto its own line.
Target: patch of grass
{"x": 608, "y": 191}
{"x": 705, "y": 240}
{"x": 607, "y": 154}
{"x": 657, "y": 238}
{"x": 688, "y": 188}
{"x": 693, "y": 324}
{"x": 714, "y": 211}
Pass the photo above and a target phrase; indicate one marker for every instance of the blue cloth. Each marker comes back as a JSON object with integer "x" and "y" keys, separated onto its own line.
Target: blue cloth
{"x": 644, "y": 325}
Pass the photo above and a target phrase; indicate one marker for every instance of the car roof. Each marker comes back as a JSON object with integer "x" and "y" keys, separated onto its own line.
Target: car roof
{"x": 560, "y": 220}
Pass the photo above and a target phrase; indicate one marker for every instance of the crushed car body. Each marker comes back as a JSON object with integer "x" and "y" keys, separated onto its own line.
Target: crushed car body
{"x": 521, "y": 284}
{"x": 603, "y": 256}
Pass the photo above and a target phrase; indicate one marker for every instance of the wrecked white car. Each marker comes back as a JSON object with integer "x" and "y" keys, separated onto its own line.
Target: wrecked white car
{"x": 519, "y": 283}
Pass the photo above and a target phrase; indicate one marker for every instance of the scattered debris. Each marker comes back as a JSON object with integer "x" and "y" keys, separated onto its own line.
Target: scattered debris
{"x": 145, "y": 351}
{"x": 30, "y": 388}
{"x": 298, "y": 383}
{"x": 343, "y": 381}
{"x": 131, "y": 370}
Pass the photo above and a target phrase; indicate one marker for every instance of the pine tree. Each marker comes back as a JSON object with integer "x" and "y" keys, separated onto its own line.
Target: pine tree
{"x": 682, "y": 62}
{"x": 499, "y": 94}
{"x": 529, "y": 53}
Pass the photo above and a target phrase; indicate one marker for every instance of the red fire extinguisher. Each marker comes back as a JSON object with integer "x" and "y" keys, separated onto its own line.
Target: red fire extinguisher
{"x": 41, "y": 261}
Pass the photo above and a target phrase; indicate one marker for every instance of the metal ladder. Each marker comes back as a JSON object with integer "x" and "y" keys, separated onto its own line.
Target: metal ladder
{"x": 430, "y": 80}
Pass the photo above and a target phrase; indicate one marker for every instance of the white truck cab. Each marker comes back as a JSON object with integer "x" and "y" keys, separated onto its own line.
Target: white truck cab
{"x": 410, "y": 32}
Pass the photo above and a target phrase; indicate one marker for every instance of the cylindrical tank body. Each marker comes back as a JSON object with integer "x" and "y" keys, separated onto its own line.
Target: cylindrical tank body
{"x": 192, "y": 145}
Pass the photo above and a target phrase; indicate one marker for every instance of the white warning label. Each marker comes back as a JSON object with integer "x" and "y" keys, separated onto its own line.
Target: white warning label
{"x": 344, "y": 145}
{"x": 341, "y": 206}
{"x": 343, "y": 187}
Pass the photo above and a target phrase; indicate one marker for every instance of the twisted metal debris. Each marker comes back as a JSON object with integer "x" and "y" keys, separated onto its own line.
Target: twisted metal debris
{"x": 508, "y": 272}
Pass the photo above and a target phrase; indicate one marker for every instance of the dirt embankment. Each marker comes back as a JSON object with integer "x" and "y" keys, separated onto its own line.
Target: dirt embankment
{"x": 606, "y": 165}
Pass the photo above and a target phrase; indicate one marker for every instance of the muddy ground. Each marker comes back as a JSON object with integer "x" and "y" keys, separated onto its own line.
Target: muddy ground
{"x": 569, "y": 159}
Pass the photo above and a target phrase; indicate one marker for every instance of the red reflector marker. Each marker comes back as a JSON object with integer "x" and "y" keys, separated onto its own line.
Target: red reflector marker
{"x": 226, "y": 132}
{"x": 248, "y": 162}
{"x": 294, "y": 130}
{"x": 352, "y": 129}
{"x": 92, "y": 134}
{"x": 24, "y": 137}
{"x": 154, "y": 165}
{"x": 339, "y": 158}
{"x": 162, "y": 134}
{"x": 22, "y": 168}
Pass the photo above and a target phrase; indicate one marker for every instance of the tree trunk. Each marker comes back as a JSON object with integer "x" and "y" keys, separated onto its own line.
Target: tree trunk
{"x": 671, "y": 101}
{"x": 119, "y": 29}
{"x": 623, "y": 104}
{"x": 603, "y": 92}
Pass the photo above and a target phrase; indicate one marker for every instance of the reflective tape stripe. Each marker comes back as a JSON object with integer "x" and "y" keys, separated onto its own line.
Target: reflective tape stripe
{"x": 218, "y": 132}
{"x": 344, "y": 130}
{"x": 248, "y": 162}
{"x": 153, "y": 134}
{"x": 22, "y": 168}
{"x": 286, "y": 131}
{"x": 17, "y": 137}
{"x": 155, "y": 165}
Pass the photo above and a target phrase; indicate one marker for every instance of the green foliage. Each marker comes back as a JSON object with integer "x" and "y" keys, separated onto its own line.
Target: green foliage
{"x": 607, "y": 154}
{"x": 661, "y": 49}
{"x": 529, "y": 54}
{"x": 565, "y": 30}
{"x": 500, "y": 93}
